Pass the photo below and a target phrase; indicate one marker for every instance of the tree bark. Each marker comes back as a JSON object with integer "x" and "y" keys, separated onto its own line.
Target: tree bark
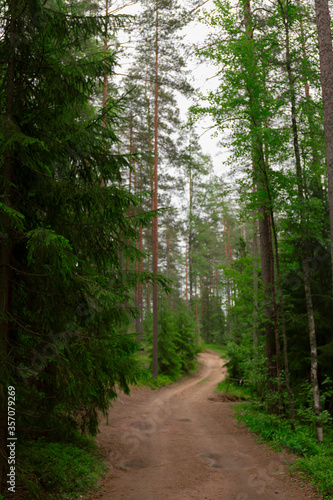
{"x": 323, "y": 20}
{"x": 255, "y": 275}
{"x": 155, "y": 220}
{"x": 186, "y": 270}
{"x": 284, "y": 335}
{"x": 190, "y": 242}
{"x": 267, "y": 281}
{"x": 263, "y": 210}
{"x": 304, "y": 245}
{"x": 228, "y": 280}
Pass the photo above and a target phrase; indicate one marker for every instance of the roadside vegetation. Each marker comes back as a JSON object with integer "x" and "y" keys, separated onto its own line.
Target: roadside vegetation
{"x": 66, "y": 469}
{"x": 315, "y": 462}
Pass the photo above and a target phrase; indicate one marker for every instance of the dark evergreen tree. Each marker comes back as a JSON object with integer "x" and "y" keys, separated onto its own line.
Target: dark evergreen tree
{"x": 62, "y": 229}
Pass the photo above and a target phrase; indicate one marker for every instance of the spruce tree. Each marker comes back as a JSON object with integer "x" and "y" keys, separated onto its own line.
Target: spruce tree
{"x": 62, "y": 230}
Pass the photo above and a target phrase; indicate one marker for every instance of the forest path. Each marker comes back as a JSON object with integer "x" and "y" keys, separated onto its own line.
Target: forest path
{"x": 177, "y": 444}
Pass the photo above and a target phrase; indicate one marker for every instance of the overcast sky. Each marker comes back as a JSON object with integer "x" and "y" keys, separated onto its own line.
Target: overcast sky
{"x": 203, "y": 80}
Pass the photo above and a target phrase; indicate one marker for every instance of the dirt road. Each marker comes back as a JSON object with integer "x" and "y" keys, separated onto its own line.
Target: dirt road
{"x": 178, "y": 444}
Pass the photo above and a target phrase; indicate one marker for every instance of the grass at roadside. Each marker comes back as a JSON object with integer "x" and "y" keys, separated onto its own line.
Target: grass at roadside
{"x": 214, "y": 347}
{"x": 59, "y": 470}
{"x": 316, "y": 459}
{"x": 241, "y": 391}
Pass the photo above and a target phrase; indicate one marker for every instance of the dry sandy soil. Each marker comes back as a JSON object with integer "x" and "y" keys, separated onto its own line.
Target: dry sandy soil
{"x": 178, "y": 444}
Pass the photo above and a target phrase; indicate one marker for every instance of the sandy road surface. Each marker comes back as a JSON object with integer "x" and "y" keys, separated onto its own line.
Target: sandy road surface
{"x": 177, "y": 444}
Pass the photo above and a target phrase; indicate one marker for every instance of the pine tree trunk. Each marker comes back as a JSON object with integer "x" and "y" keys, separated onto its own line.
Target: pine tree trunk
{"x": 190, "y": 241}
{"x": 275, "y": 314}
{"x": 323, "y": 19}
{"x": 168, "y": 260}
{"x": 136, "y": 265}
{"x": 155, "y": 221}
{"x": 197, "y": 313}
{"x": 186, "y": 271}
{"x": 228, "y": 280}
{"x": 140, "y": 285}
{"x": 130, "y": 181}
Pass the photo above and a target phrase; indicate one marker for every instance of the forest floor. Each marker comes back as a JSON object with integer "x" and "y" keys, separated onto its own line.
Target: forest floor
{"x": 178, "y": 443}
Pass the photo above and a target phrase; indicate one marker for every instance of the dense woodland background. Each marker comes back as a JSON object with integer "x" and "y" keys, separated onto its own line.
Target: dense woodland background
{"x": 117, "y": 235}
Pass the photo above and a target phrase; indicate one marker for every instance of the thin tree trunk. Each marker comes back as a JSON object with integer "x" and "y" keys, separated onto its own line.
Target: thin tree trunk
{"x": 105, "y": 76}
{"x": 263, "y": 211}
{"x": 168, "y": 260}
{"x": 186, "y": 271}
{"x": 197, "y": 313}
{"x": 130, "y": 180}
{"x": 228, "y": 280}
{"x": 314, "y": 149}
{"x": 140, "y": 260}
{"x": 323, "y": 19}
{"x": 148, "y": 297}
{"x": 284, "y": 334}
{"x": 136, "y": 266}
{"x": 305, "y": 260}
{"x": 229, "y": 243}
{"x": 255, "y": 275}
{"x": 155, "y": 220}
{"x": 267, "y": 281}
{"x": 275, "y": 314}
{"x": 190, "y": 241}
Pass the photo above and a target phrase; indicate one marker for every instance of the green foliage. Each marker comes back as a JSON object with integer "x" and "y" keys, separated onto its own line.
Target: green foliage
{"x": 177, "y": 347}
{"x": 59, "y": 470}
{"x": 186, "y": 342}
{"x": 65, "y": 212}
{"x": 241, "y": 391}
{"x": 320, "y": 470}
{"x": 247, "y": 362}
{"x": 215, "y": 347}
{"x": 317, "y": 458}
